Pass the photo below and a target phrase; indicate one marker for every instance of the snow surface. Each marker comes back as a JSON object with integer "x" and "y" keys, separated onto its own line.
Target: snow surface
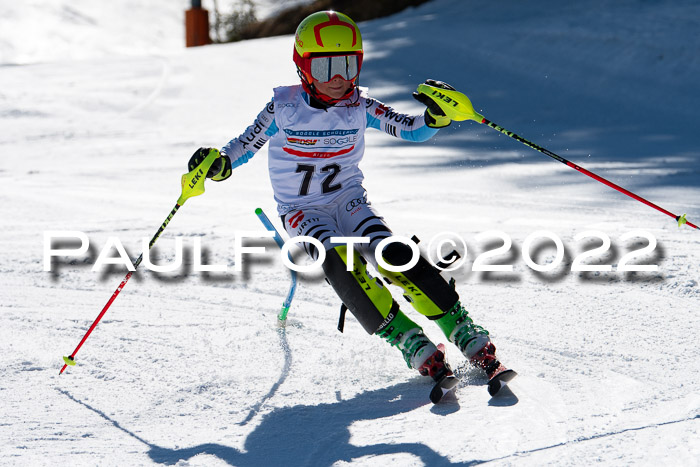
{"x": 189, "y": 368}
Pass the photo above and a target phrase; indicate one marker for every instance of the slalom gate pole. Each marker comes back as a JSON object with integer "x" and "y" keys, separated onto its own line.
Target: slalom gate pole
{"x": 282, "y": 315}
{"x": 458, "y": 107}
{"x": 192, "y": 185}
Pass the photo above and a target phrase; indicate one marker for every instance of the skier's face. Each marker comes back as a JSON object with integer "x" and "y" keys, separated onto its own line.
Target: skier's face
{"x": 335, "y": 88}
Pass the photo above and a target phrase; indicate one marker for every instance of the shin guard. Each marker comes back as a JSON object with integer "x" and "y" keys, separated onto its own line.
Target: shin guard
{"x": 423, "y": 286}
{"x": 365, "y": 296}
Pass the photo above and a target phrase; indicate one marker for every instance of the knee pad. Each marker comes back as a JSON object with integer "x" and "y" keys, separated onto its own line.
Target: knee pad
{"x": 429, "y": 293}
{"x": 365, "y": 296}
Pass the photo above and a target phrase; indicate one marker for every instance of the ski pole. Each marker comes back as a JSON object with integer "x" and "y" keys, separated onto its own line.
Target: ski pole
{"x": 192, "y": 185}
{"x": 282, "y": 315}
{"x": 458, "y": 107}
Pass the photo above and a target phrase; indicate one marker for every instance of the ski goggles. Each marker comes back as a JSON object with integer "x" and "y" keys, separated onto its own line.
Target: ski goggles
{"x": 326, "y": 68}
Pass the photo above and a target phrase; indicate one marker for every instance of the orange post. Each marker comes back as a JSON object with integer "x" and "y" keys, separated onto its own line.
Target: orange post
{"x": 196, "y": 27}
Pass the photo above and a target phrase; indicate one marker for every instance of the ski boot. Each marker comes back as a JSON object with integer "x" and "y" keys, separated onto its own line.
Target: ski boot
{"x": 475, "y": 344}
{"x": 430, "y": 361}
{"x": 420, "y": 354}
{"x": 437, "y": 368}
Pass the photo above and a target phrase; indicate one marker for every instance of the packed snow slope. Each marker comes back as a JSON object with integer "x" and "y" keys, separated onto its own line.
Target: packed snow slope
{"x": 189, "y": 368}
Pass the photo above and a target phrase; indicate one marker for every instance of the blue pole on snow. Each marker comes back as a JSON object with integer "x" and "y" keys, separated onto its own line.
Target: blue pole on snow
{"x": 282, "y": 315}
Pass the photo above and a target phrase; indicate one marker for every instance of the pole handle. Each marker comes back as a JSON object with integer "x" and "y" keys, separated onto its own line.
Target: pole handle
{"x": 455, "y": 104}
{"x": 192, "y": 182}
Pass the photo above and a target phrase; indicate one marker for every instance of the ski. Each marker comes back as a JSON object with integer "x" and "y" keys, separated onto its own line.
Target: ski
{"x": 499, "y": 379}
{"x": 498, "y": 374}
{"x": 448, "y": 382}
{"x": 444, "y": 385}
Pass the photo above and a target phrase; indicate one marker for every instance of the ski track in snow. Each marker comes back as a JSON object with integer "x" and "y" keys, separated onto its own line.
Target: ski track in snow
{"x": 190, "y": 369}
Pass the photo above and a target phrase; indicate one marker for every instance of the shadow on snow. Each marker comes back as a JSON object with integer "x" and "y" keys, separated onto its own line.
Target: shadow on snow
{"x": 310, "y": 434}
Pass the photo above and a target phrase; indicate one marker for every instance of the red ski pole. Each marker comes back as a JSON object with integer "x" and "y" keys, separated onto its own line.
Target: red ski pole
{"x": 680, "y": 219}
{"x": 192, "y": 185}
{"x": 458, "y": 107}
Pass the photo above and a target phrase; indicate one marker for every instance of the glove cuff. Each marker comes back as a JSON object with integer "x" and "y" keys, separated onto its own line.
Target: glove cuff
{"x": 436, "y": 121}
{"x": 225, "y": 171}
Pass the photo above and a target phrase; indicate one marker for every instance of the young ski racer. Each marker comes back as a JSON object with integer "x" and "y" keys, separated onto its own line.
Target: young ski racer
{"x": 315, "y": 132}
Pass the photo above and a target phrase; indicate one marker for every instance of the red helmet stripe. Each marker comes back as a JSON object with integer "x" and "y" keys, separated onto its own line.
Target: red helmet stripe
{"x": 333, "y": 21}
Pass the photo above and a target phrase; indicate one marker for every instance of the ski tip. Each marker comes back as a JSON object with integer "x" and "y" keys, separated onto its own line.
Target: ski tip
{"x": 446, "y": 384}
{"x": 258, "y": 211}
{"x": 499, "y": 381}
{"x": 69, "y": 361}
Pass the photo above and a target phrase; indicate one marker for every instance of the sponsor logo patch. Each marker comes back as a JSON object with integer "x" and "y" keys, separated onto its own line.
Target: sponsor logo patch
{"x": 295, "y": 219}
{"x": 301, "y": 141}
